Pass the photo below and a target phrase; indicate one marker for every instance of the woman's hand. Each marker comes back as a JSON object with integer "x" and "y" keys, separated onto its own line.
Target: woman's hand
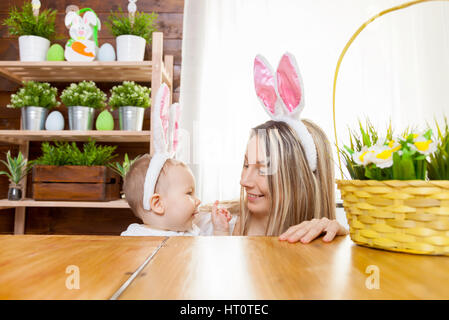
{"x": 309, "y": 230}
{"x": 220, "y": 220}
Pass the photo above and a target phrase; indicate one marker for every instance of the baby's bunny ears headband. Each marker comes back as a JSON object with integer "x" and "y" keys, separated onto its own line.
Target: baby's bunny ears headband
{"x": 164, "y": 126}
{"x": 287, "y": 85}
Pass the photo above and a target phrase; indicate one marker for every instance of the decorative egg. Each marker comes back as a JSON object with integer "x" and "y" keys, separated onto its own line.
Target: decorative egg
{"x": 105, "y": 121}
{"x": 55, "y": 53}
{"x": 55, "y": 121}
{"x": 106, "y": 53}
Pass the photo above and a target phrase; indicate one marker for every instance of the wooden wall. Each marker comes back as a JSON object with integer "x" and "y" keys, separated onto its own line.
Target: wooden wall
{"x": 76, "y": 220}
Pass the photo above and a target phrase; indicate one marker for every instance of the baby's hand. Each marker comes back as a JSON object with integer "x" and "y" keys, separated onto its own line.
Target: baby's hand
{"x": 220, "y": 220}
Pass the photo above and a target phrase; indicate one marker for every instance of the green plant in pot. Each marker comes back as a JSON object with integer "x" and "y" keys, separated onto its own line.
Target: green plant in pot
{"x": 34, "y": 32}
{"x": 65, "y": 171}
{"x": 81, "y": 100}
{"x": 34, "y": 99}
{"x": 131, "y": 99}
{"x": 18, "y": 168}
{"x": 132, "y": 33}
{"x": 123, "y": 168}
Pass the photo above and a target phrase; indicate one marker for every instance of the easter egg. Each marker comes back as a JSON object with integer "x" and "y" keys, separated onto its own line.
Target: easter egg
{"x": 55, "y": 121}
{"x": 55, "y": 53}
{"x": 105, "y": 121}
{"x": 106, "y": 53}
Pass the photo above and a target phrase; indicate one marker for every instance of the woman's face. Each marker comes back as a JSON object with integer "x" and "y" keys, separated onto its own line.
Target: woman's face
{"x": 255, "y": 178}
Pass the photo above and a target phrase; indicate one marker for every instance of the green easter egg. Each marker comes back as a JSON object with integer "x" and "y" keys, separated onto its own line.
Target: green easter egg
{"x": 55, "y": 53}
{"x": 105, "y": 121}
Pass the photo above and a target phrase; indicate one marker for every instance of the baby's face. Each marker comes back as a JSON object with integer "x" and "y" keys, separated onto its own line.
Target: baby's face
{"x": 178, "y": 196}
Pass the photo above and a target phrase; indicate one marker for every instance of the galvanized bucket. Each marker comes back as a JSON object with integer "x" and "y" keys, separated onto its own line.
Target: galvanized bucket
{"x": 33, "y": 118}
{"x": 131, "y": 118}
{"x": 81, "y": 118}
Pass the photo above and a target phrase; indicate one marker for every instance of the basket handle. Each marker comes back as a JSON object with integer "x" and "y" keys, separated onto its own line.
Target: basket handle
{"x": 348, "y": 44}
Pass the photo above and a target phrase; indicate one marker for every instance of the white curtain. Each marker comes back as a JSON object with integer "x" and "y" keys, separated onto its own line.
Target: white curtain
{"x": 398, "y": 68}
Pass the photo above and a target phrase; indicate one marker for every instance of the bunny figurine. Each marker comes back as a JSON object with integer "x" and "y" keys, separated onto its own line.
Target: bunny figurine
{"x": 83, "y": 45}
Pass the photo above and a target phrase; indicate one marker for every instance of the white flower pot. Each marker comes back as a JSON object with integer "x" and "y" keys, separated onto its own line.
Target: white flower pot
{"x": 130, "y": 48}
{"x": 33, "y": 48}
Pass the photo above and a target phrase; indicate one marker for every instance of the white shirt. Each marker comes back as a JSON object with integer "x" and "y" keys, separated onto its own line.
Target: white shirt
{"x": 201, "y": 226}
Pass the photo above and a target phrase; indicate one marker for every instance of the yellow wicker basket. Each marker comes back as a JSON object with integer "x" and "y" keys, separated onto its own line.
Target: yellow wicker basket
{"x": 406, "y": 216}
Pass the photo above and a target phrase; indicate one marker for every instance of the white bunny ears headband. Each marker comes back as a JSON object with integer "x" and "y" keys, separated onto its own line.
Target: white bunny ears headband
{"x": 287, "y": 85}
{"x": 164, "y": 126}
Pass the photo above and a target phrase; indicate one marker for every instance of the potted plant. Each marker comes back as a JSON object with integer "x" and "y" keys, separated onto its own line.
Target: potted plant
{"x": 81, "y": 100}
{"x": 18, "y": 168}
{"x": 34, "y": 32}
{"x": 34, "y": 99}
{"x": 123, "y": 168}
{"x": 132, "y": 33}
{"x": 131, "y": 99}
{"x": 64, "y": 172}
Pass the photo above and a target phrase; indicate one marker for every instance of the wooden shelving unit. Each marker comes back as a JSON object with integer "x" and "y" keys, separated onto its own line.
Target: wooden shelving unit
{"x": 24, "y": 136}
{"x": 156, "y": 71}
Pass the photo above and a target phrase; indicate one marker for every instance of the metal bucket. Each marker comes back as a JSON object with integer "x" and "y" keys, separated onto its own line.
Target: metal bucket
{"x": 131, "y": 118}
{"x": 33, "y": 118}
{"x": 81, "y": 118}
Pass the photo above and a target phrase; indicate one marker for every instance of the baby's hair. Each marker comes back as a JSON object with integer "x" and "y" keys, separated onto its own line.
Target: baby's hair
{"x": 135, "y": 180}
{"x": 297, "y": 194}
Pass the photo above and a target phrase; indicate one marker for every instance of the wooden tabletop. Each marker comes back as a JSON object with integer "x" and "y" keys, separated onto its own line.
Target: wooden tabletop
{"x": 34, "y": 267}
{"x": 45, "y": 267}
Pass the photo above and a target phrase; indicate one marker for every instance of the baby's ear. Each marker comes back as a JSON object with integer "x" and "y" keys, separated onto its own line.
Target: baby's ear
{"x": 156, "y": 204}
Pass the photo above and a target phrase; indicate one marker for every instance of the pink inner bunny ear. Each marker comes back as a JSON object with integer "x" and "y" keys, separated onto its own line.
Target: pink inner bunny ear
{"x": 164, "y": 111}
{"x": 176, "y": 126}
{"x": 289, "y": 84}
{"x": 264, "y": 84}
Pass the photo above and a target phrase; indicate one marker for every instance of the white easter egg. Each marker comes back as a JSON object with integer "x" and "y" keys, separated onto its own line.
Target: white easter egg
{"x": 106, "y": 53}
{"x": 55, "y": 121}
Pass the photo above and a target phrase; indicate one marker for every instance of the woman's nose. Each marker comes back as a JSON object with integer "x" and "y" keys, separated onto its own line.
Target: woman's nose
{"x": 246, "y": 180}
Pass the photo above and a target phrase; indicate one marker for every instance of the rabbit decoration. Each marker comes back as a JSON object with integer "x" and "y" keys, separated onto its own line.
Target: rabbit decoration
{"x": 83, "y": 45}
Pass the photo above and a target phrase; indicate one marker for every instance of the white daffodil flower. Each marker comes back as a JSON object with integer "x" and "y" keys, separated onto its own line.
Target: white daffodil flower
{"x": 423, "y": 145}
{"x": 364, "y": 156}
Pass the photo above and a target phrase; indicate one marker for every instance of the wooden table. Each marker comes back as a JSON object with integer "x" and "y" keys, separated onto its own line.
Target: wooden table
{"x": 213, "y": 268}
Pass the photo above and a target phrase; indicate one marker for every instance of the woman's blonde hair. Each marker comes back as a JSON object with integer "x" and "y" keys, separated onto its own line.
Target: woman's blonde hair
{"x": 297, "y": 194}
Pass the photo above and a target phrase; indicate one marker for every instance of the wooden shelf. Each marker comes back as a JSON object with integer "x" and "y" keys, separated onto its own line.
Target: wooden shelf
{"x": 5, "y": 204}
{"x": 22, "y": 136}
{"x": 156, "y": 72}
{"x": 66, "y": 71}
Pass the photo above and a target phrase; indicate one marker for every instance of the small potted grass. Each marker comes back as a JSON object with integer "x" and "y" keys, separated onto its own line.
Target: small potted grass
{"x": 131, "y": 99}
{"x": 123, "y": 168}
{"x": 35, "y": 31}
{"x": 81, "y": 100}
{"x": 34, "y": 100}
{"x": 18, "y": 168}
{"x": 132, "y": 33}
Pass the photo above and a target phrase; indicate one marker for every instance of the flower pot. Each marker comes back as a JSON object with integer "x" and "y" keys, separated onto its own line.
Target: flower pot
{"x": 131, "y": 118}
{"x": 81, "y": 118}
{"x": 33, "y": 48}
{"x": 33, "y": 118}
{"x": 130, "y": 48}
{"x": 14, "y": 193}
{"x": 75, "y": 183}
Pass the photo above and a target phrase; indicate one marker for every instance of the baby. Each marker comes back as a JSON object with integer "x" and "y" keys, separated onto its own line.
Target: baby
{"x": 173, "y": 206}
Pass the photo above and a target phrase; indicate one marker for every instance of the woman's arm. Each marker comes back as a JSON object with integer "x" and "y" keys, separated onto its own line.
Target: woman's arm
{"x": 309, "y": 230}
